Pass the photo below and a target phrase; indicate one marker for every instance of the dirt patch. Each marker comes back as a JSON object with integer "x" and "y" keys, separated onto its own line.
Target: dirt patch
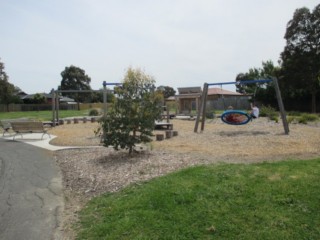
{"x": 88, "y": 172}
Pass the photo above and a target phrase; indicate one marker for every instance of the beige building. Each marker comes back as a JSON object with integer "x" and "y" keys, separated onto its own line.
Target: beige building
{"x": 188, "y": 100}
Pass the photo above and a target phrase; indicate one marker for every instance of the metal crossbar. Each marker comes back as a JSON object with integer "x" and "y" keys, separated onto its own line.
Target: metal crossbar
{"x": 242, "y": 82}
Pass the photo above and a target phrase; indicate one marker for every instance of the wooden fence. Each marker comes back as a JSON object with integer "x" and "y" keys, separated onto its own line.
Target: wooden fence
{"x": 47, "y": 107}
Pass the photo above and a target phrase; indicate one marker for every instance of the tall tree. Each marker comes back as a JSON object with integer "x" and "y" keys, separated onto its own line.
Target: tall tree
{"x": 166, "y": 91}
{"x": 264, "y": 92}
{"x": 7, "y": 90}
{"x": 301, "y": 55}
{"x": 75, "y": 78}
{"x": 132, "y": 118}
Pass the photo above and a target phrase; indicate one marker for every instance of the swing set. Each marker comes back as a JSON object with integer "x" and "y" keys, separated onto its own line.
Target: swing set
{"x": 55, "y": 99}
{"x": 238, "y": 117}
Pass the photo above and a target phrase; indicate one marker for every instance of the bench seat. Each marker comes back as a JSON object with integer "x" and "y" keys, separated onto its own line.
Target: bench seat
{"x": 28, "y": 127}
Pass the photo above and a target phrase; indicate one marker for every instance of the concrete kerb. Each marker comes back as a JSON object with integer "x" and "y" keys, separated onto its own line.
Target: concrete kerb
{"x": 35, "y": 140}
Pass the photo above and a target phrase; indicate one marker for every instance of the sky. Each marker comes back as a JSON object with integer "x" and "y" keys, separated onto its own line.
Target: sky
{"x": 181, "y": 43}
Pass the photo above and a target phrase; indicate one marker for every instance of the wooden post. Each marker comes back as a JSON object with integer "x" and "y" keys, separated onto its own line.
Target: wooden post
{"x": 204, "y": 106}
{"x": 202, "y": 110}
{"x": 53, "y": 107}
{"x": 167, "y": 110}
{"x": 104, "y": 99}
{"x": 57, "y": 107}
{"x": 159, "y": 137}
{"x": 281, "y": 107}
{"x": 168, "y": 133}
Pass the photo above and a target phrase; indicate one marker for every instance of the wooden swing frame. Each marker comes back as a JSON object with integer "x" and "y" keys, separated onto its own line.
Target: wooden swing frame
{"x": 202, "y": 113}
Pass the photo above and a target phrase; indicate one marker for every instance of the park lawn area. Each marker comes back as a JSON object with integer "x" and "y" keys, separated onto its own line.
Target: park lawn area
{"x": 279, "y": 200}
{"x": 42, "y": 115}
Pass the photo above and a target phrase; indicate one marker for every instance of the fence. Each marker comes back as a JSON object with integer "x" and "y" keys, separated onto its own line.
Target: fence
{"x": 47, "y": 107}
{"x": 223, "y": 103}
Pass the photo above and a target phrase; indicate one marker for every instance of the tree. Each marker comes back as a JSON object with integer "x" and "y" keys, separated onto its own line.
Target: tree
{"x": 166, "y": 91}
{"x": 74, "y": 78}
{"x": 98, "y": 96}
{"x": 264, "y": 92}
{"x": 7, "y": 90}
{"x": 301, "y": 55}
{"x": 37, "y": 98}
{"x": 132, "y": 117}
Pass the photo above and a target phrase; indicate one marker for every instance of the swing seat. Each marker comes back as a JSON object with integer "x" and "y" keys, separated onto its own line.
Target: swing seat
{"x": 235, "y": 117}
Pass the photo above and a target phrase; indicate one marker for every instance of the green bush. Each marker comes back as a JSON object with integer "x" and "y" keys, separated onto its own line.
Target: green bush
{"x": 270, "y": 112}
{"x": 291, "y": 119}
{"x": 303, "y": 120}
{"x": 93, "y": 112}
{"x": 274, "y": 118}
{"x": 210, "y": 114}
{"x": 294, "y": 113}
{"x": 310, "y": 117}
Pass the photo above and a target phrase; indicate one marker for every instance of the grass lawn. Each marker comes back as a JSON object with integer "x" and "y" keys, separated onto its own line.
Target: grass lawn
{"x": 227, "y": 201}
{"x": 42, "y": 115}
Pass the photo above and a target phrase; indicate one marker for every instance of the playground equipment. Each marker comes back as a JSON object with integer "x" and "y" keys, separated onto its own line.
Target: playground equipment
{"x": 55, "y": 99}
{"x": 235, "y": 117}
{"x": 202, "y": 112}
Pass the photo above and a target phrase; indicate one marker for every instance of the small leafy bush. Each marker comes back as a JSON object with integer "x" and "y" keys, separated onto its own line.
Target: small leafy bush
{"x": 93, "y": 112}
{"x": 310, "y": 117}
{"x": 210, "y": 114}
{"x": 303, "y": 120}
{"x": 270, "y": 112}
{"x": 291, "y": 119}
{"x": 294, "y": 113}
{"x": 274, "y": 118}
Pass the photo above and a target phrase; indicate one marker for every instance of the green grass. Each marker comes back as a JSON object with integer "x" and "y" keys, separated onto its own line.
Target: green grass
{"x": 259, "y": 201}
{"x": 42, "y": 115}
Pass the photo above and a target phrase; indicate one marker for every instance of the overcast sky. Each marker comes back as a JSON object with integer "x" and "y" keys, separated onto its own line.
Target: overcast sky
{"x": 181, "y": 43}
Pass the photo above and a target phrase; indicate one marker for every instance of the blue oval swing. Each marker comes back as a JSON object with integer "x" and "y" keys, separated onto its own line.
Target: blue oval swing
{"x": 235, "y": 117}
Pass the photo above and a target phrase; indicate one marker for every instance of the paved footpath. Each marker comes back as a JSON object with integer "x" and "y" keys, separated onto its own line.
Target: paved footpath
{"x": 31, "y": 197}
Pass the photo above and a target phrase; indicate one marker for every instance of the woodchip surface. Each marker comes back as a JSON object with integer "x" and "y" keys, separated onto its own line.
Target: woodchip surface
{"x": 91, "y": 170}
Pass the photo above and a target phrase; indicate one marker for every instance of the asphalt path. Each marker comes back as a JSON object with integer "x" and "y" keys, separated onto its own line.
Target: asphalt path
{"x": 31, "y": 199}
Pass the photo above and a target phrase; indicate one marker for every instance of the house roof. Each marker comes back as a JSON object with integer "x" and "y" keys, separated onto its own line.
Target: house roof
{"x": 189, "y": 90}
{"x": 220, "y": 91}
{"x": 66, "y": 99}
{"x": 30, "y": 96}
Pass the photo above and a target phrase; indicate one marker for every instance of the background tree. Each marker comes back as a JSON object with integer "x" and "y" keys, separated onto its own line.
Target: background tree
{"x": 301, "y": 55}
{"x": 37, "y": 98}
{"x": 74, "y": 78}
{"x": 7, "y": 90}
{"x": 166, "y": 91}
{"x": 132, "y": 117}
{"x": 98, "y": 96}
{"x": 264, "y": 93}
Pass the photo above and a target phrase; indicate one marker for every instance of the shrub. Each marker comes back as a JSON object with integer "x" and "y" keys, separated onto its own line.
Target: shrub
{"x": 303, "y": 120}
{"x": 294, "y": 113}
{"x": 274, "y": 118}
{"x": 93, "y": 112}
{"x": 310, "y": 117}
{"x": 210, "y": 114}
{"x": 270, "y": 112}
{"x": 291, "y": 119}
